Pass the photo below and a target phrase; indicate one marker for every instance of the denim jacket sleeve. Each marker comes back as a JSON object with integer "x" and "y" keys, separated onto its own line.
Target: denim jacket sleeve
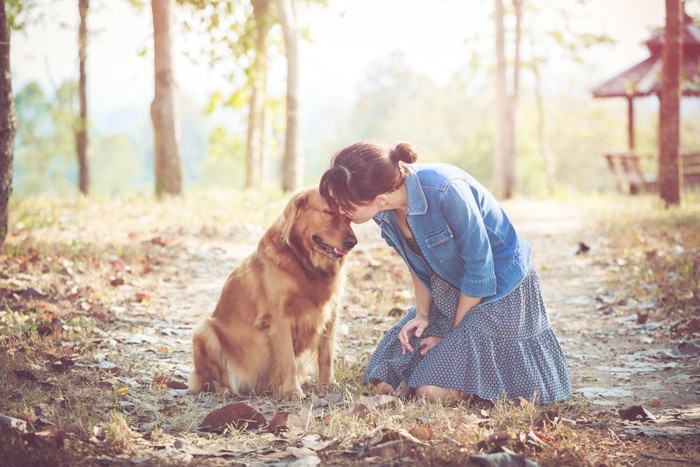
{"x": 461, "y": 209}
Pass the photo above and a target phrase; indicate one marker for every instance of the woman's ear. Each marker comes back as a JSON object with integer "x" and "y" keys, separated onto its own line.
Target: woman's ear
{"x": 380, "y": 200}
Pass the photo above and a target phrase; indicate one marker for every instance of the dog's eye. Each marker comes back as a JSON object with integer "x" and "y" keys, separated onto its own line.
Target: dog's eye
{"x": 329, "y": 212}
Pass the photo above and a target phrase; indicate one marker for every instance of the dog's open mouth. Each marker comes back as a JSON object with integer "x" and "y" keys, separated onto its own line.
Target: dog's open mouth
{"x": 332, "y": 252}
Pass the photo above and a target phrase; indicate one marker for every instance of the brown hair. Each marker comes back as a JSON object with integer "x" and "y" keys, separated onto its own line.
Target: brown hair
{"x": 364, "y": 170}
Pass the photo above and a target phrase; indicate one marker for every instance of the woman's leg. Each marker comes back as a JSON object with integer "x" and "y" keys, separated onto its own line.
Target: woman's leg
{"x": 438, "y": 394}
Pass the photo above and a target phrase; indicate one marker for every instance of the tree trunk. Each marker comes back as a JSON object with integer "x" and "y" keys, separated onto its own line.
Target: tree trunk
{"x": 255, "y": 145}
{"x": 7, "y": 122}
{"x": 164, "y": 111}
{"x": 81, "y": 134}
{"x": 506, "y": 105}
{"x": 252, "y": 176}
{"x": 290, "y": 173}
{"x": 514, "y": 98}
{"x": 500, "y": 158}
{"x": 669, "y": 118}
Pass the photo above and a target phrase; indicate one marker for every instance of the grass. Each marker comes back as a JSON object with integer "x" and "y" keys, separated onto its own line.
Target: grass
{"x": 657, "y": 254}
{"x": 70, "y": 251}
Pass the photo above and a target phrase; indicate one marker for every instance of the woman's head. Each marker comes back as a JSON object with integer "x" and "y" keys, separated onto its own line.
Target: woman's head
{"x": 362, "y": 171}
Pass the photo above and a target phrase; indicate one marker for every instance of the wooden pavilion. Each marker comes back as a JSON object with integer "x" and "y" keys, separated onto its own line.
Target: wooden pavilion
{"x": 644, "y": 79}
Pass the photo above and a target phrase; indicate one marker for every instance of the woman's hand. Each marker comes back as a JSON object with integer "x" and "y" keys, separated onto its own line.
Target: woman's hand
{"x": 428, "y": 343}
{"x": 415, "y": 327}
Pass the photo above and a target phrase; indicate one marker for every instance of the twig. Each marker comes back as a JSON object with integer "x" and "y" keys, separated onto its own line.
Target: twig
{"x": 668, "y": 459}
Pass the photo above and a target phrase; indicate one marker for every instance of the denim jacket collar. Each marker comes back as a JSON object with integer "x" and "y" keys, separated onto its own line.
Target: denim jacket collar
{"x": 414, "y": 194}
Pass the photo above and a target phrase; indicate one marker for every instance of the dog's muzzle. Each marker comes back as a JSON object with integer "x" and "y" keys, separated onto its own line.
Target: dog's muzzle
{"x": 335, "y": 253}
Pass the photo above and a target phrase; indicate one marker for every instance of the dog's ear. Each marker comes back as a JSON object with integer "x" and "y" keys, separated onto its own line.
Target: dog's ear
{"x": 291, "y": 212}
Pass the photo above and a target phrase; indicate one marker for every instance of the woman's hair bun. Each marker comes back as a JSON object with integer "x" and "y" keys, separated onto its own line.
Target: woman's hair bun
{"x": 404, "y": 152}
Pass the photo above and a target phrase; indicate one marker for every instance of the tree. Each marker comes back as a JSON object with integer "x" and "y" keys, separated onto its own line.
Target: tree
{"x": 164, "y": 112}
{"x": 506, "y": 107}
{"x": 255, "y": 144}
{"x": 290, "y": 162}
{"x": 81, "y": 134}
{"x": 7, "y": 121}
{"x": 669, "y": 116}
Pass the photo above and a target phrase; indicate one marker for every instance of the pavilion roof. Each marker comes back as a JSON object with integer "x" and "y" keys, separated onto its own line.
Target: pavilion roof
{"x": 644, "y": 78}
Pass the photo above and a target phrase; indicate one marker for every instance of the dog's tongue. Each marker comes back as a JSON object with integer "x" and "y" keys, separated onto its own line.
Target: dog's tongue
{"x": 340, "y": 252}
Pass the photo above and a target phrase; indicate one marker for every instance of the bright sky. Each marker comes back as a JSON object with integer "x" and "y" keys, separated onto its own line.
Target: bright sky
{"x": 432, "y": 34}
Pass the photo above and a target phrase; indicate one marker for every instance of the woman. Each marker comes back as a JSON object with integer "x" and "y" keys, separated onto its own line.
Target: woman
{"x": 479, "y": 326}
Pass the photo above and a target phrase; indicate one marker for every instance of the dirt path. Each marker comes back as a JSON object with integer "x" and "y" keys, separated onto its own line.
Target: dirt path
{"x": 614, "y": 362}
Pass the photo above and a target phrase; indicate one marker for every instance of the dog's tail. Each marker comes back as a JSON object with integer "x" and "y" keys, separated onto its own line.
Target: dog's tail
{"x": 212, "y": 368}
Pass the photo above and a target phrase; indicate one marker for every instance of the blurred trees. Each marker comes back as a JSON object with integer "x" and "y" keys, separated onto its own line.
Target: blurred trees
{"x": 239, "y": 47}
{"x": 45, "y": 152}
{"x": 558, "y": 132}
{"x": 166, "y": 124}
{"x": 45, "y": 140}
{"x": 244, "y": 36}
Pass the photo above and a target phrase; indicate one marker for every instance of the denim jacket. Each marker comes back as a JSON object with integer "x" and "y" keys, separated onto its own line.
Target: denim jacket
{"x": 463, "y": 234}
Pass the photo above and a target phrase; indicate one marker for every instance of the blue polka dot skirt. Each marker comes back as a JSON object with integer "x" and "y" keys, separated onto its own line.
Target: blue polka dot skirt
{"x": 501, "y": 349}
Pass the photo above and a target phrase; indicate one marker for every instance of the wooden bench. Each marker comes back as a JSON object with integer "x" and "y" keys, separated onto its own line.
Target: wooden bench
{"x": 690, "y": 167}
{"x": 628, "y": 173}
{"x": 630, "y": 178}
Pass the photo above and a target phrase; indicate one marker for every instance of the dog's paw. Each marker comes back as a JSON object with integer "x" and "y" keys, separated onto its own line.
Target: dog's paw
{"x": 294, "y": 394}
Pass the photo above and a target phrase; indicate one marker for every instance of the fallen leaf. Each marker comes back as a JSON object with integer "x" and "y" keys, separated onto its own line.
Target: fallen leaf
{"x": 685, "y": 349}
{"x": 238, "y": 415}
{"x": 501, "y": 459}
{"x": 278, "y": 422}
{"x": 116, "y": 281}
{"x": 494, "y": 442}
{"x": 361, "y": 411}
{"x": 422, "y": 432}
{"x": 24, "y": 374}
{"x": 14, "y": 423}
{"x": 317, "y": 442}
{"x": 164, "y": 382}
{"x": 636, "y": 413}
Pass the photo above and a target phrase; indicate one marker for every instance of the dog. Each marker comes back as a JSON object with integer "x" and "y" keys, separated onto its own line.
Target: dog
{"x": 278, "y": 306}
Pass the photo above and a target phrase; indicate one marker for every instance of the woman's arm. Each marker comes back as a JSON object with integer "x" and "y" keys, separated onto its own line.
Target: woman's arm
{"x": 423, "y": 297}
{"x": 417, "y": 325}
{"x": 464, "y": 304}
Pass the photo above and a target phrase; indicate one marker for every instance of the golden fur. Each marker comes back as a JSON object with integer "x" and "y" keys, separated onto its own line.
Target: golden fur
{"x": 280, "y": 303}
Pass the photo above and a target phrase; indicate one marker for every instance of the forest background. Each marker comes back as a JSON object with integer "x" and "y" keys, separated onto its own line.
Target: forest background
{"x": 395, "y": 70}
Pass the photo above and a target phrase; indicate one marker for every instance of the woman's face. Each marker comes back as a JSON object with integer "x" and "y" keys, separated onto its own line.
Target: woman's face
{"x": 361, "y": 213}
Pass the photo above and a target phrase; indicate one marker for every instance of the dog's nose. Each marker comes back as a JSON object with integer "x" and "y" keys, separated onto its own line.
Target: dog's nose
{"x": 349, "y": 242}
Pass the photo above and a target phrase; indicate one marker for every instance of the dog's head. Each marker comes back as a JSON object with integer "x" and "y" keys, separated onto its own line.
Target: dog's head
{"x": 319, "y": 229}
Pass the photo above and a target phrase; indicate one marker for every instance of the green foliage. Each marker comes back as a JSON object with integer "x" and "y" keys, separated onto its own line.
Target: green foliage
{"x": 45, "y": 151}
{"x": 115, "y": 165}
{"x": 19, "y": 13}
{"x": 225, "y": 166}
{"x": 44, "y": 140}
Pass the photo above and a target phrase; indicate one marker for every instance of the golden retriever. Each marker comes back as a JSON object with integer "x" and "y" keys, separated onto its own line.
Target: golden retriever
{"x": 280, "y": 303}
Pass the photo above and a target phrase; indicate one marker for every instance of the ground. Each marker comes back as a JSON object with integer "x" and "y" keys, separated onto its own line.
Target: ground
{"x": 144, "y": 275}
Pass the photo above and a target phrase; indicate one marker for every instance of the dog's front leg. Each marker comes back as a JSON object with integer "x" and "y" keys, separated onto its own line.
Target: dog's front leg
{"x": 284, "y": 365}
{"x": 326, "y": 347}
